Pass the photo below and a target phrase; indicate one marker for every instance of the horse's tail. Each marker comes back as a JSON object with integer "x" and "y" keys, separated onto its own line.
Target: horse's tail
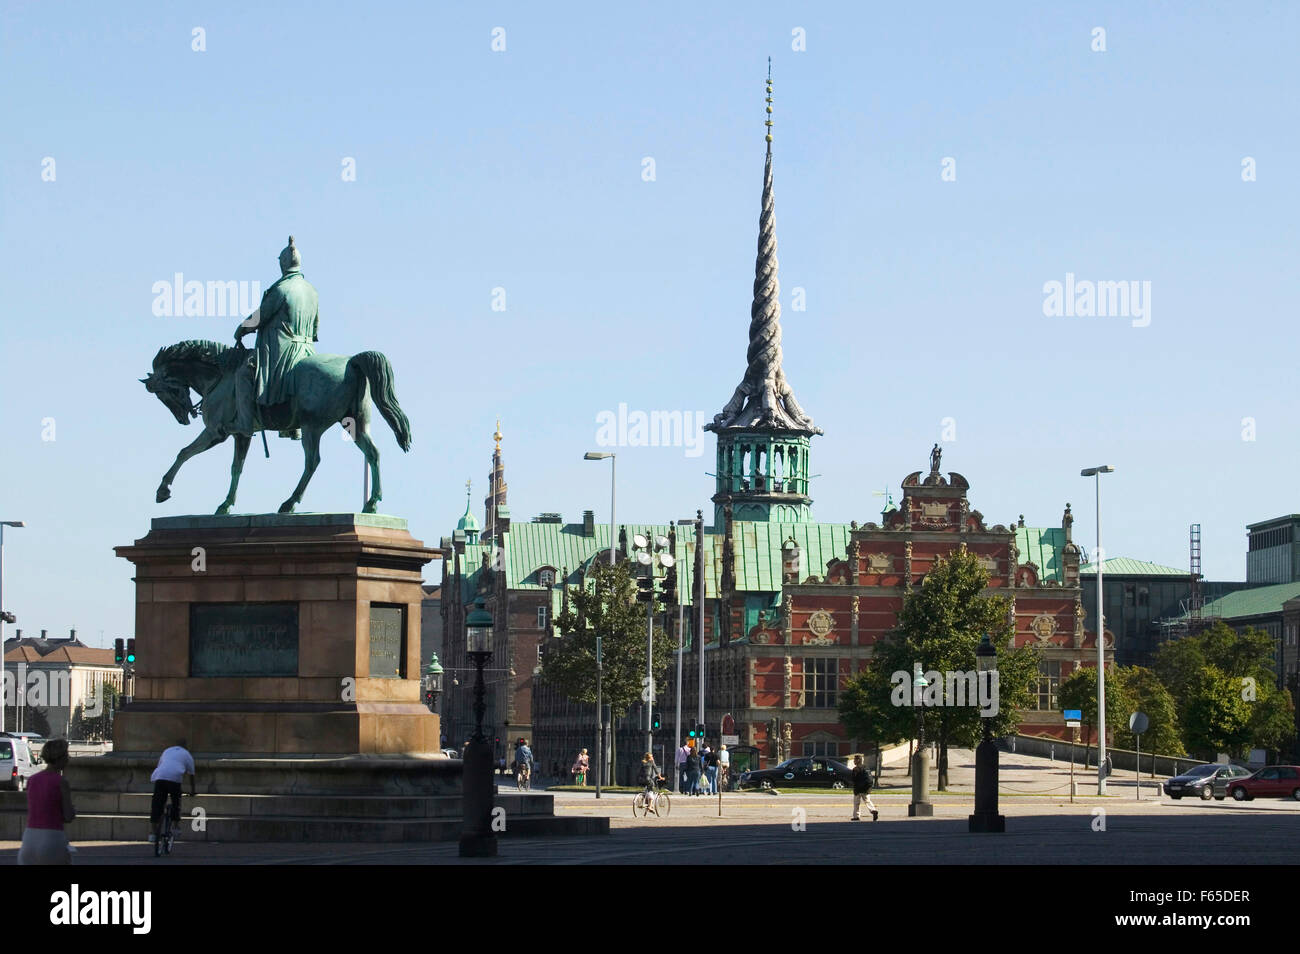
{"x": 376, "y": 369}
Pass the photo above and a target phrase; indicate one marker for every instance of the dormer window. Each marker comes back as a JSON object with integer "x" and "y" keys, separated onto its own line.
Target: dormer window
{"x": 546, "y": 576}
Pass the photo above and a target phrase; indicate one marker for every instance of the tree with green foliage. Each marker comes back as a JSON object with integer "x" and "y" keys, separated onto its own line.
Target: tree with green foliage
{"x": 1150, "y": 697}
{"x": 1079, "y": 691}
{"x": 940, "y": 627}
{"x": 1215, "y": 716}
{"x": 1225, "y": 689}
{"x": 606, "y": 606}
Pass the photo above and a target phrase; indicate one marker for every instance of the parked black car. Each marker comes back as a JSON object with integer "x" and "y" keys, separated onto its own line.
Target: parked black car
{"x": 1204, "y": 781}
{"x": 814, "y": 772}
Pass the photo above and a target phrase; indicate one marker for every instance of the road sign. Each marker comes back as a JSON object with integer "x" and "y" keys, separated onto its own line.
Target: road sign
{"x": 1138, "y": 723}
{"x": 731, "y": 740}
{"x": 1073, "y": 715}
{"x": 1072, "y": 725}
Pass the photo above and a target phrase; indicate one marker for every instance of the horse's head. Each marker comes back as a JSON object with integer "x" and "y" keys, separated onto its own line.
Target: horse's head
{"x": 190, "y": 364}
{"x": 174, "y": 394}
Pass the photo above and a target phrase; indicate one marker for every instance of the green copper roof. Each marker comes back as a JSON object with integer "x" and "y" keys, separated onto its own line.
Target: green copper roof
{"x": 468, "y": 521}
{"x": 1041, "y": 546}
{"x": 758, "y": 547}
{"x": 759, "y": 558}
{"x": 1123, "y": 566}
{"x": 1258, "y": 601}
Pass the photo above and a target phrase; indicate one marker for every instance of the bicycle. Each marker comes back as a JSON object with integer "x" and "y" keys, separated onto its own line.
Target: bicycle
{"x": 651, "y": 800}
{"x": 163, "y": 843}
{"x": 523, "y": 777}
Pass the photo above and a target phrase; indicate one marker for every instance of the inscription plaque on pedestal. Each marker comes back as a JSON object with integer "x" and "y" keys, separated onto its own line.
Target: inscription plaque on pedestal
{"x": 243, "y": 639}
{"x": 387, "y": 645}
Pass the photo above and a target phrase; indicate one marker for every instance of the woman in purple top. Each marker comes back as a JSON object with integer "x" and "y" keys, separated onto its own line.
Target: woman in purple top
{"x": 49, "y": 805}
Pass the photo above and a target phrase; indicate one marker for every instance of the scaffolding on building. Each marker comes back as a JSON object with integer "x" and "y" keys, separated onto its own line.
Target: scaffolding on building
{"x": 1193, "y": 618}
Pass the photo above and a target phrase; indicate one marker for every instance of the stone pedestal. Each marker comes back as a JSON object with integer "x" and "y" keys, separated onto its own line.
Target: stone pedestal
{"x": 278, "y": 634}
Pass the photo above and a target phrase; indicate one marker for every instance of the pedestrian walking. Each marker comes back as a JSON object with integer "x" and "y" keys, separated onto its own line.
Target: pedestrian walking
{"x": 724, "y": 765}
{"x": 579, "y": 769}
{"x": 862, "y": 789}
{"x": 711, "y": 769}
{"x": 49, "y": 805}
{"x": 693, "y": 772}
{"x": 682, "y": 754}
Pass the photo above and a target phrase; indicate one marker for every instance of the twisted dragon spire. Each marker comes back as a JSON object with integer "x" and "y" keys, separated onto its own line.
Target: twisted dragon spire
{"x": 764, "y": 398}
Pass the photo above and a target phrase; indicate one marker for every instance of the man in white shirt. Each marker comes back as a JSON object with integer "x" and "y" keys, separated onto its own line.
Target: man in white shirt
{"x": 724, "y": 765}
{"x": 173, "y": 765}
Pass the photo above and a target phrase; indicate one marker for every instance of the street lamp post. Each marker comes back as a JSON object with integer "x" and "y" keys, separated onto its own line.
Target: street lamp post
{"x": 699, "y": 563}
{"x": 478, "y": 840}
{"x": 921, "y": 805}
{"x": 613, "y": 470}
{"x": 433, "y": 681}
{"x": 5, "y": 617}
{"x": 681, "y": 651}
{"x": 986, "y": 817}
{"x": 600, "y": 719}
{"x": 613, "y": 538}
{"x": 650, "y": 552}
{"x": 1095, "y": 473}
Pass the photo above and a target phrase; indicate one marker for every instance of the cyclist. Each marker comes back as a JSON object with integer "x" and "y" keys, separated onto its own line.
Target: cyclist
{"x": 173, "y": 765}
{"x": 649, "y": 776}
{"x": 523, "y": 762}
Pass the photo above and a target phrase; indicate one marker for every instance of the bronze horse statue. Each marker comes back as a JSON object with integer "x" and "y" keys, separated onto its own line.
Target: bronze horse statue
{"x": 327, "y": 389}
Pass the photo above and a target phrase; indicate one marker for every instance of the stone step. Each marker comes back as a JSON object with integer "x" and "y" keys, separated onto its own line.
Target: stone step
{"x": 299, "y": 828}
{"x": 340, "y": 806}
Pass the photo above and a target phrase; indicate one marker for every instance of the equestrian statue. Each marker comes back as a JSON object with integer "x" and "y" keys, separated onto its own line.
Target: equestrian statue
{"x": 281, "y": 384}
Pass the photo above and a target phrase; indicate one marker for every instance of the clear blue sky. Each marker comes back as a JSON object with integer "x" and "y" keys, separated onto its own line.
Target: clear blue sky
{"x": 522, "y": 170}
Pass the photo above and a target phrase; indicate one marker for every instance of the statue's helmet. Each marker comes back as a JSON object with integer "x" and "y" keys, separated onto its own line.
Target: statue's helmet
{"x": 289, "y": 258}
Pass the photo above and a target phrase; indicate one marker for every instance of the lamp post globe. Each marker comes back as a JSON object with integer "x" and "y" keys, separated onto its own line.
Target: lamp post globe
{"x": 433, "y": 680}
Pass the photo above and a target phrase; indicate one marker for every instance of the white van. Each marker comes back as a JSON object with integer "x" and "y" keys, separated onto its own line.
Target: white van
{"x": 17, "y": 763}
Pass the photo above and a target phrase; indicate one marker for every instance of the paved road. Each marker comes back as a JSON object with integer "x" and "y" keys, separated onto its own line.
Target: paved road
{"x": 801, "y": 827}
{"x": 810, "y": 828}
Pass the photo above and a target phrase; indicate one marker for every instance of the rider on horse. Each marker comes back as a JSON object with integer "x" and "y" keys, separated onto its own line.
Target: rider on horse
{"x": 287, "y": 323}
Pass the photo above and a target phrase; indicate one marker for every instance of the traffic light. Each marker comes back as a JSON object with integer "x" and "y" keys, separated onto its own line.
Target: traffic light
{"x": 130, "y": 651}
{"x": 657, "y": 721}
{"x": 119, "y": 651}
{"x": 428, "y": 698}
{"x": 699, "y": 729}
{"x": 645, "y": 589}
{"x": 668, "y": 588}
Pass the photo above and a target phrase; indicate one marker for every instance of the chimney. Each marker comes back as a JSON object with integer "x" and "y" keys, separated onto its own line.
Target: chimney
{"x": 45, "y": 634}
{"x": 72, "y": 634}
{"x": 589, "y": 523}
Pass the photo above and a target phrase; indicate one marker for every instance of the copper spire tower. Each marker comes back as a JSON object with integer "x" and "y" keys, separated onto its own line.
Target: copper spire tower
{"x": 763, "y": 433}
{"x": 764, "y": 398}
